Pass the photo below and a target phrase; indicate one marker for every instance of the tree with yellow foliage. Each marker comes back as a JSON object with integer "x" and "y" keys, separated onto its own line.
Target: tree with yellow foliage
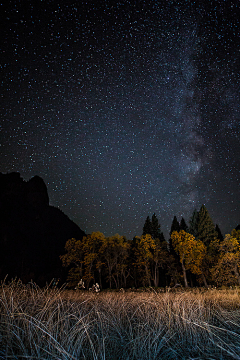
{"x": 92, "y": 261}
{"x": 145, "y": 246}
{"x": 114, "y": 252}
{"x": 159, "y": 259}
{"x": 85, "y": 257}
{"x": 75, "y": 257}
{"x": 122, "y": 268}
{"x": 190, "y": 251}
{"x": 227, "y": 270}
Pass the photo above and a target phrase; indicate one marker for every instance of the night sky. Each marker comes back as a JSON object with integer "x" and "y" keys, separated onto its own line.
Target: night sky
{"x": 124, "y": 108}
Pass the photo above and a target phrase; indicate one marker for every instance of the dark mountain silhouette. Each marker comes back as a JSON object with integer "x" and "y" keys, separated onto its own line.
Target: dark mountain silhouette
{"x": 32, "y": 233}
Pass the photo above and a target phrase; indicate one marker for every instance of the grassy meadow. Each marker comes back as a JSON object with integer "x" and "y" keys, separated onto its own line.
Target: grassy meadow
{"x": 53, "y": 323}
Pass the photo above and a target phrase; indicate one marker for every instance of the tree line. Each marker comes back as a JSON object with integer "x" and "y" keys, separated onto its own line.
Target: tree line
{"x": 194, "y": 255}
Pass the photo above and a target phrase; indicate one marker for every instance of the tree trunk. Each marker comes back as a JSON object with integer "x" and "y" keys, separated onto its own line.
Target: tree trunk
{"x": 147, "y": 275}
{"x": 174, "y": 279}
{"x": 81, "y": 270}
{"x": 115, "y": 281}
{"x": 191, "y": 280}
{"x": 100, "y": 278}
{"x": 135, "y": 278}
{"x": 125, "y": 276}
{"x": 110, "y": 277}
{"x": 184, "y": 275}
{"x": 124, "y": 281}
{"x": 118, "y": 282}
{"x": 155, "y": 276}
{"x": 204, "y": 280}
{"x": 236, "y": 272}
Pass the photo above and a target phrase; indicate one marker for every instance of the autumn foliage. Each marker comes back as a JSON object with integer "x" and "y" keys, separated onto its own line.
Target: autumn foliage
{"x": 193, "y": 256}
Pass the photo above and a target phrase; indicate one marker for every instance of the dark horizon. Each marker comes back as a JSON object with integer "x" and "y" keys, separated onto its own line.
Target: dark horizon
{"x": 17, "y": 178}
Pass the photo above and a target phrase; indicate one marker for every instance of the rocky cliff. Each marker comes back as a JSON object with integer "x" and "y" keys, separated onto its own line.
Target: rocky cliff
{"x": 32, "y": 233}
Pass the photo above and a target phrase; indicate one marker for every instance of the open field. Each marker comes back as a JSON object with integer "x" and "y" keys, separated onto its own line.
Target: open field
{"x": 61, "y": 324}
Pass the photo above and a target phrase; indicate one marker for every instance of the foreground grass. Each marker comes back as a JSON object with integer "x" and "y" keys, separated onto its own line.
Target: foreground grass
{"x": 59, "y": 324}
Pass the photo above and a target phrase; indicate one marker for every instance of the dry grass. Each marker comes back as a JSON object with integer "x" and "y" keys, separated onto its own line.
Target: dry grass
{"x": 59, "y": 324}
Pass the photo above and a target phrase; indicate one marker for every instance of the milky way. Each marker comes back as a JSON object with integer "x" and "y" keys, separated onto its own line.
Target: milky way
{"x": 124, "y": 108}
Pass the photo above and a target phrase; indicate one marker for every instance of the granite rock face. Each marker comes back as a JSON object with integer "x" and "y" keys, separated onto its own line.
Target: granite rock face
{"x": 32, "y": 233}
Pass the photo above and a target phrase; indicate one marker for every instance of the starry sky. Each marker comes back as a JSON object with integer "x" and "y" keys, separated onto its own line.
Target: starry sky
{"x": 124, "y": 108}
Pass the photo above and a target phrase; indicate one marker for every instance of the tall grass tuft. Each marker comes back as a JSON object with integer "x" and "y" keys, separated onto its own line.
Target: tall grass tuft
{"x": 53, "y": 323}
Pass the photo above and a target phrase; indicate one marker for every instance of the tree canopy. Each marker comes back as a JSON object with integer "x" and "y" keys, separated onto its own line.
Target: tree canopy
{"x": 194, "y": 254}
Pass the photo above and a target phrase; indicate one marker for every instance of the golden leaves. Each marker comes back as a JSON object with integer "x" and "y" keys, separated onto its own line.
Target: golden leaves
{"x": 190, "y": 250}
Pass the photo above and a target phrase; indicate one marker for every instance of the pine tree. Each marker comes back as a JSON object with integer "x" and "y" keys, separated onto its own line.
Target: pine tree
{"x": 175, "y": 225}
{"x": 156, "y": 232}
{"x": 183, "y": 225}
{"x": 205, "y": 229}
{"x": 220, "y": 236}
{"x": 202, "y": 228}
{"x": 193, "y": 223}
{"x": 147, "y": 228}
{"x": 153, "y": 228}
{"x": 174, "y": 268}
{"x": 159, "y": 251}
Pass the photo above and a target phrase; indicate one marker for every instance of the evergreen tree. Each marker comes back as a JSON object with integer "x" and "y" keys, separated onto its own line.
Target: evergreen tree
{"x": 147, "y": 228}
{"x": 205, "y": 229}
{"x": 156, "y": 232}
{"x": 183, "y": 225}
{"x": 153, "y": 228}
{"x": 193, "y": 223}
{"x": 175, "y": 225}
{"x": 220, "y": 236}
{"x": 174, "y": 268}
